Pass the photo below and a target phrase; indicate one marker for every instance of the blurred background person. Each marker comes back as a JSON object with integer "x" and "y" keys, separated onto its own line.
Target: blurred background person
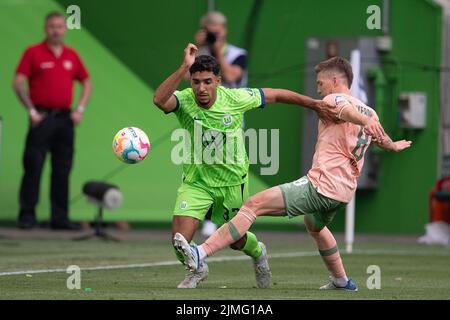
{"x": 211, "y": 40}
{"x": 50, "y": 69}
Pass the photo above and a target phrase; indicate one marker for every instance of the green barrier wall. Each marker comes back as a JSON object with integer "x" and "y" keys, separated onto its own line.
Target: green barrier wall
{"x": 131, "y": 47}
{"x": 401, "y": 202}
{"x": 120, "y": 99}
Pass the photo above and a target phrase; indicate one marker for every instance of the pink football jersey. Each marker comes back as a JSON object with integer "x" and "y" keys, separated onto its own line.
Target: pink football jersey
{"x": 339, "y": 154}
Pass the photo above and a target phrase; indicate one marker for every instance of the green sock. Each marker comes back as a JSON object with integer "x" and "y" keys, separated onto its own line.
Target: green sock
{"x": 252, "y": 247}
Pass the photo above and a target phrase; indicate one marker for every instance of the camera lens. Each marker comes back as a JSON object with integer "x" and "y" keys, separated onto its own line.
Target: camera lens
{"x": 210, "y": 37}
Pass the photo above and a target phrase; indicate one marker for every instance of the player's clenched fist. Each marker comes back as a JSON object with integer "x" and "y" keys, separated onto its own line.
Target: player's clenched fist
{"x": 373, "y": 128}
{"x": 190, "y": 52}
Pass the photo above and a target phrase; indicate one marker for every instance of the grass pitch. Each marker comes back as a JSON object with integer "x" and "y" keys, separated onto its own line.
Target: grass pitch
{"x": 144, "y": 267}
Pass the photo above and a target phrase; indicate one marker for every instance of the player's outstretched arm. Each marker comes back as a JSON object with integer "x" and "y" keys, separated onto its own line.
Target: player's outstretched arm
{"x": 371, "y": 125}
{"x": 324, "y": 111}
{"x": 395, "y": 146}
{"x": 163, "y": 97}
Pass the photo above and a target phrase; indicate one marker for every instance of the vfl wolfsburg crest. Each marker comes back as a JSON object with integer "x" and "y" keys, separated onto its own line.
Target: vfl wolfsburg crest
{"x": 183, "y": 205}
{"x": 227, "y": 120}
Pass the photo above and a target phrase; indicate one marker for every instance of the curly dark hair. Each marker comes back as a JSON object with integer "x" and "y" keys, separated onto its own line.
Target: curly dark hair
{"x": 338, "y": 64}
{"x": 205, "y": 63}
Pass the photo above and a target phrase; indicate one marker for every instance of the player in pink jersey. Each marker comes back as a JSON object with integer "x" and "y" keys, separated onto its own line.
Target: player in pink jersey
{"x": 329, "y": 184}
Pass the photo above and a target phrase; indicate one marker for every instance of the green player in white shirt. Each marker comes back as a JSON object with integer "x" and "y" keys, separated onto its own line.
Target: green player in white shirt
{"x": 218, "y": 182}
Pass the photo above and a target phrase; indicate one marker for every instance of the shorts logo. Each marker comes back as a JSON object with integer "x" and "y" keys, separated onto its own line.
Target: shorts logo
{"x": 183, "y": 205}
{"x": 227, "y": 120}
{"x": 300, "y": 182}
{"x": 250, "y": 91}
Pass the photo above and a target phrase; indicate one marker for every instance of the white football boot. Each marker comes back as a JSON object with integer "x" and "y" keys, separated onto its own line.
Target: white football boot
{"x": 193, "y": 278}
{"x": 350, "y": 286}
{"x": 189, "y": 253}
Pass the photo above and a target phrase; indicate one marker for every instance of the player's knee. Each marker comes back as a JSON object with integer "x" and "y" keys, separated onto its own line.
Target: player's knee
{"x": 314, "y": 234}
{"x": 314, "y": 230}
{"x": 313, "y": 225}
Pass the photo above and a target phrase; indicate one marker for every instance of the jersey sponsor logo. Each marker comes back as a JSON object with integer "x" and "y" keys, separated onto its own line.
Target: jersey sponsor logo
{"x": 365, "y": 111}
{"x": 227, "y": 120}
{"x": 67, "y": 64}
{"x": 184, "y": 205}
{"x": 47, "y": 65}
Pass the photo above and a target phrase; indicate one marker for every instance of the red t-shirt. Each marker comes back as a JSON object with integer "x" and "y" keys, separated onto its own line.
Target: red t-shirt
{"x": 50, "y": 77}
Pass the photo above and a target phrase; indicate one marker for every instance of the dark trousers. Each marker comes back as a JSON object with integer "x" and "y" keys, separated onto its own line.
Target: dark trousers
{"x": 55, "y": 134}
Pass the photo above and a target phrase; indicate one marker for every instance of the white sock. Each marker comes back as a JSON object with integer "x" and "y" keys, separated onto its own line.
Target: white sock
{"x": 341, "y": 281}
{"x": 201, "y": 252}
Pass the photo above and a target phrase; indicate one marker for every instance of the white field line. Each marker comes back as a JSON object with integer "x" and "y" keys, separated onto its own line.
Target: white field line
{"x": 445, "y": 252}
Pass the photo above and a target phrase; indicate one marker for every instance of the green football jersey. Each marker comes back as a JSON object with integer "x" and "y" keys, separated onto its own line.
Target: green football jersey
{"x": 214, "y": 137}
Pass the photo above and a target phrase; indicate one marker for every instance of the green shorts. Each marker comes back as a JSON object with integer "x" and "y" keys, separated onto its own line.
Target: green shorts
{"x": 300, "y": 197}
{"x": 195, "y": 200}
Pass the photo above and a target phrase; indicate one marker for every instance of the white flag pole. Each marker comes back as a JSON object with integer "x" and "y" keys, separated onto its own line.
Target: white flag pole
{"x": 357, "y": 92}
{"x": 350, "y": 225}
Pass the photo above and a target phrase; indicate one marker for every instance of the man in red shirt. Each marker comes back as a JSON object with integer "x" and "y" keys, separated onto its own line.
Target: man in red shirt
{"x": 50, "y": 69}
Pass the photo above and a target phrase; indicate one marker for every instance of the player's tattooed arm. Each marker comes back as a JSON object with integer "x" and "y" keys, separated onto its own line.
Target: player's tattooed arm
{"x": 371, "y": 125}
{"x": 395, "y": 146}
{"x": 325, "y": 113}
{"x": 164, "y": 98}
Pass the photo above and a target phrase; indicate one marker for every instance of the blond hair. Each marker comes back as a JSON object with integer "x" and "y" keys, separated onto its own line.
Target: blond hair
{"x": 338, "y": 64}
{"x": 214, "y": 17}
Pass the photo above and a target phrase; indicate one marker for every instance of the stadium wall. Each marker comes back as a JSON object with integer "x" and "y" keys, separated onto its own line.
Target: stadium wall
{"x": 131, "y": 49}
{"x": 121, "y": 98}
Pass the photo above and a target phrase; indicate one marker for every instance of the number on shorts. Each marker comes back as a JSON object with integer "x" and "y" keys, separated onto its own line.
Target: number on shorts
{"x": 361, "y": 144}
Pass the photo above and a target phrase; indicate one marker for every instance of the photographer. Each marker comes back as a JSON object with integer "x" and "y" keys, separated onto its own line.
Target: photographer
{"x": 211, "y": 40}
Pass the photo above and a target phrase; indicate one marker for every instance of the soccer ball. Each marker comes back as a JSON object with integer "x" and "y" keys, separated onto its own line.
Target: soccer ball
{"x": 131, "y": 145}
